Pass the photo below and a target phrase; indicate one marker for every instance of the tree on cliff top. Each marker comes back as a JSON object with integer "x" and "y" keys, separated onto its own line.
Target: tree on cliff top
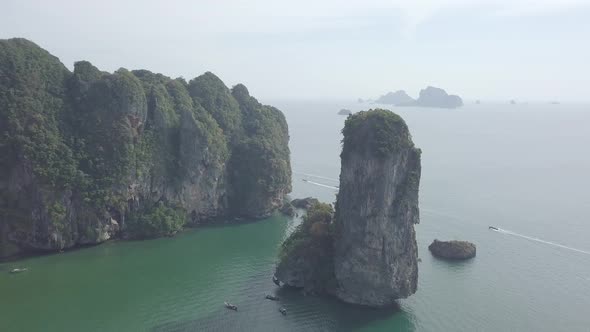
{"x": 384, "y": 131}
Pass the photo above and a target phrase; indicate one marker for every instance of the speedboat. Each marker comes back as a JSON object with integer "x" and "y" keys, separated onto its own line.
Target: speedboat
{"x": 492, "y": 227}
{"x": 230, "y": 306}
{"x": 18, "y": 270}
{"x": 271, "y": 297}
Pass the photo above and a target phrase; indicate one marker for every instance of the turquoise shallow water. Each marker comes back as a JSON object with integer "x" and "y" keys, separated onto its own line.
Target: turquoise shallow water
{"x": 522, "y": 168}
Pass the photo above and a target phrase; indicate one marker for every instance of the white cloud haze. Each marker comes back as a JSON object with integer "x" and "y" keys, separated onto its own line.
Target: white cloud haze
{"x": 489, "y": 49}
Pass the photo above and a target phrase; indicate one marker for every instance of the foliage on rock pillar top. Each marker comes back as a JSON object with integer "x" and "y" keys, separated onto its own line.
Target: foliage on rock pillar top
{"x": 316, "y": 227}
{"x": 377, "y": 132}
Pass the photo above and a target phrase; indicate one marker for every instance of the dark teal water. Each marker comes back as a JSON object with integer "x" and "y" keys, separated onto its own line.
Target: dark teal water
{"x": 522, "y": 168}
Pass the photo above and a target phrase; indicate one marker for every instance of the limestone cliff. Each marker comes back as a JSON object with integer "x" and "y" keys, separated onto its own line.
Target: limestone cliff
{"x": 90, "y": 155}
{"x": 373, "y": 246}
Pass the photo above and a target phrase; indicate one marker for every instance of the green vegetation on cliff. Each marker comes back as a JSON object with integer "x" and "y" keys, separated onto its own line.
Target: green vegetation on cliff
{"x": 260, "y": 159}
{"x": 317, "y": 223}
{"x": 32, "y": 91}
{"x": 310, "y": 249}
{"x": 159, "y": 220}
{"x": 379, "y": 129}
{"x": 87, "y": 153}
{"x": 365, "y": 252}
{"x": 210, "y": 92}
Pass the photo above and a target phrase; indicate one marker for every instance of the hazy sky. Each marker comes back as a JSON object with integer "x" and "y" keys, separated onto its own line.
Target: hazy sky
{"x": 489, "y": 50}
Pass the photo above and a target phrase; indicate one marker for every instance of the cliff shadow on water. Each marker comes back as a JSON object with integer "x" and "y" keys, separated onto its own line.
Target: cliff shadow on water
{"x": 304, "y": 313}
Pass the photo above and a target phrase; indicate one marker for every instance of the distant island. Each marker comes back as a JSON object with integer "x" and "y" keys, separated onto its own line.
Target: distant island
{"x": 429, "y": 97}
{"x": 436, "y": 97}
{"x": 344, "y": 111}
{"x": 398, "y": 98}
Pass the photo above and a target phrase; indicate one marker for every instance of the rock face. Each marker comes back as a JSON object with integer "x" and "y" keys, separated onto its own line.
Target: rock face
{"x": 398, "y": 98}
{"x": 377, "y": 207}
{"x": 90, "y": 155}
{"x": 304, "y": 203}
{"x": 436, "y": 97}
{"x": 374, "y": 255}
{"x": 307, "y": 256}
{"x": 288, "y": 209}
{"x": 344, "y": 111}
{"x": 452, "y": 249}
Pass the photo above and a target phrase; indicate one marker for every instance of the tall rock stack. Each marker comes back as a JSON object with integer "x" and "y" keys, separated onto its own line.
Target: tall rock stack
{"x": 373, "y": 249}
{"x": 375, "y": 244}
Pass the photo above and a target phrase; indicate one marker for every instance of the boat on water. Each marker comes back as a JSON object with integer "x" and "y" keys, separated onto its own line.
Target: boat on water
{"x": 276, "y": 281}
{"x": 283, "y": 311}
{"x": 494, "y": 228}
{"x": 18, "y": 270}
{"x": 271, "y": 297}
{"x": 231, "y": 306}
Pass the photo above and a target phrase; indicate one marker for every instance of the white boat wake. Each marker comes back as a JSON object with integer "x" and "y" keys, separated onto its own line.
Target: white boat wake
{"x": 499, "y": 230}
{"x": 317, "y": 176}
{"x": 320, "y": 184}
{"x": 505, "y": 231}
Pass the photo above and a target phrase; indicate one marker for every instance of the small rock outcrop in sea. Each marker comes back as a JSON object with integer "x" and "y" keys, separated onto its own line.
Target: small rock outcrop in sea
{"x": 436, "y": 97}
{"x": 89, "y": 155}
{"x": 288, "y": 209}
{"x": 366, "y": 253}
{"x": 304, "y": 203}
{"x": 306, "y": 258}
{"x": 398, "y": 98}
{"x": 344, "y": 111}
{"x": 452, "y": 249}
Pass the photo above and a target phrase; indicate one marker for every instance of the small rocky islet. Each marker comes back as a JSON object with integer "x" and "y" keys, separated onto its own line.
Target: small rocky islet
{"x": 452, "y": 250}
